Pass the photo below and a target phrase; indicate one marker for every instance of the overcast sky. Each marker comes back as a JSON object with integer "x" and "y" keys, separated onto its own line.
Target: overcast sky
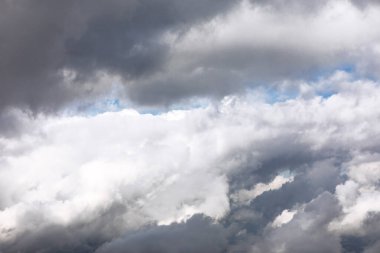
{"x": 190, "y": 126}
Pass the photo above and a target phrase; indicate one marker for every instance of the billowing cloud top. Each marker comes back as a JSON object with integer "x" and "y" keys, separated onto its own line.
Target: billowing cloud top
{"x": 189, "y": 126}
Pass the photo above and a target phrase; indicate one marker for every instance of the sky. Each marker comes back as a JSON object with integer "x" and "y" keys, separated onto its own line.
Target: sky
{"x": 192, "y": 126}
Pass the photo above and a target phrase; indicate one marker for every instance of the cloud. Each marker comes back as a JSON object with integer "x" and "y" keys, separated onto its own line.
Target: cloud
{"x": 42, "y": 41}
{"x": 262, "y": 131}
{"x": 359, "y": 194}
{"x": 124, "y": 177}
{"x": 306, "y": 232}
{"x": 246, "y": 196}
{"x": 285, "y": 217}
{"x": 161, "y": 53}
{"x": 177, "y": 237}
{"x": 263, "y": 43}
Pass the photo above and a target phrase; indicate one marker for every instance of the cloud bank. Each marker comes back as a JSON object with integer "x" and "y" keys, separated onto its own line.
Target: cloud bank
{"x": 54, "y": 53}
{"x": 242, "y": 175}
{"x": 189, "y": 126}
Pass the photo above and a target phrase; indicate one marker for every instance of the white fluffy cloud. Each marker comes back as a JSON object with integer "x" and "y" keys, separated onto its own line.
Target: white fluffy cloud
{"x": 359, "y": 195}
{"x": 275, "y": 147}
{"x": 246, "y": 196}
{"x": 165, "y": 168}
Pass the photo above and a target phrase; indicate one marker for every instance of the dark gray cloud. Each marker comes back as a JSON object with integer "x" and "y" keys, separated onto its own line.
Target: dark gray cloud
{"x": 40, "y": 39}
{"x": 45, "y": 42}
{"x": 367, "y": 240}
{"x": 198, "y": 234}
{"x": 11, "y": 122}
{"x": 307, "y": 232}
{"x": 81, "y": 236}
{"x": 292, "y": 6}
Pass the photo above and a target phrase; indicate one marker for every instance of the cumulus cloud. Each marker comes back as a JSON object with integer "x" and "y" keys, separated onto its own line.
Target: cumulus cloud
{"x": 125, "y": 177}
{"x": 189, "y": 126}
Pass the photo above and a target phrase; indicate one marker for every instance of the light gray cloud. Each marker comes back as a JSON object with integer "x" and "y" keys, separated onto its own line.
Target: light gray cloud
{"x": 257, "y": 45}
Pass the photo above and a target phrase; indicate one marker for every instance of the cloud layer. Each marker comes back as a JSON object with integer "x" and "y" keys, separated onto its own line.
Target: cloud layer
{"x": 54, "y": 53}
{"x": 189, "y": 126}
{"x": 266, "y": 175}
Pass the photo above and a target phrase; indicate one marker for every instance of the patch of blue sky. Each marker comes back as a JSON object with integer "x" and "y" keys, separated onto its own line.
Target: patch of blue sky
{"x": 275, "y": 96}
{"x": 102, "y": 106}
{"x": 152, "y": 111}
{"x": 352, "y": 70}
{"x": 191, "y": 104}
{"x": 196, "y": 103}
{"x": 272, "y": 95}
{"x": 287, "y": 173}
{"x": 116, "y": 104}
{"x": 326, "y": 93}
{"x": 322, "y": 73}
{"x": 349, "y": 68}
